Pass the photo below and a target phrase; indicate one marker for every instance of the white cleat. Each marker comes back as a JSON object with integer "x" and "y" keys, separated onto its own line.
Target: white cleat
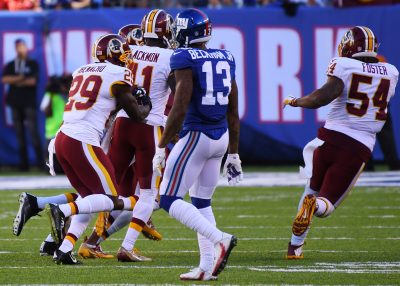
{"x": 222, "y": 251}
{"x": 197, "y": 274}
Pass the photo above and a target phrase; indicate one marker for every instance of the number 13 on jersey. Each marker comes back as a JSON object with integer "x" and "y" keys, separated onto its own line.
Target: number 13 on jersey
{"x": 221, "y": 94}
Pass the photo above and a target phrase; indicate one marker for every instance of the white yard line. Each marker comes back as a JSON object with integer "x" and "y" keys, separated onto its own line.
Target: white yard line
{"x": 370, "y": 268}
{"x": 253, "y": 179}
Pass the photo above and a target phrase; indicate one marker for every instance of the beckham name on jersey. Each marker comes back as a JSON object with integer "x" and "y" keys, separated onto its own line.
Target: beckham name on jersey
{"x": 144, "y": 56}
{"x": 376, "y": 69}
{"x": 201, "y": 54}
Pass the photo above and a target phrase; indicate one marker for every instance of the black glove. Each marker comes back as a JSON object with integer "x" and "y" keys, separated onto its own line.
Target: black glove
{"x": 141, "y": 97}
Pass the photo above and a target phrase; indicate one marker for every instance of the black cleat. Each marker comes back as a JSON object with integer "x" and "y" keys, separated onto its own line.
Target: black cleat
{"x": 28, "y": 208}
{"x": 57, "y": 222}
{"x": 60, "y": 257}
{"x": 47, "y": 248}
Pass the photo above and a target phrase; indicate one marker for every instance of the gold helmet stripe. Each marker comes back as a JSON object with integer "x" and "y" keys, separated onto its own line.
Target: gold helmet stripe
{"x": 365, "y": 35}
{"x": 370, "y": 39}
{"x": 150, "y": 19}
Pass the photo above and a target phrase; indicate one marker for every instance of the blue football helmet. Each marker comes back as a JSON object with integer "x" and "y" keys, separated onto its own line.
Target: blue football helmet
{"x": 191, "y": 26}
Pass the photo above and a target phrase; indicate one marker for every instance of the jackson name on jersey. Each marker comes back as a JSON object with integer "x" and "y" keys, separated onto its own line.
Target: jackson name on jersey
{"x": 91, "y": 102}
{"x": 361, "y": 111}
{"x": 151, "y": 68}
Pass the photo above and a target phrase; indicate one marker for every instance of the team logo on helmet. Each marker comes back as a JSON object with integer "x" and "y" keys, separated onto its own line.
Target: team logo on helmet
{"x": 358, "y": 41}
{"x": 114, "y": 47}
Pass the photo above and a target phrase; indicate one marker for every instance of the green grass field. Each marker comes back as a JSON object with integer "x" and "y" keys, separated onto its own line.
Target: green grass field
{"x": 359, "y": 244}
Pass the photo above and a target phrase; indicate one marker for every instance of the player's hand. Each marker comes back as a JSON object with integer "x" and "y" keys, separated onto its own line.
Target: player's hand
{"x": 233, "y": 169}
{"x": 290, "y": 100}
{"x": 159, "y": 161}
{"x": 142, "y": 97}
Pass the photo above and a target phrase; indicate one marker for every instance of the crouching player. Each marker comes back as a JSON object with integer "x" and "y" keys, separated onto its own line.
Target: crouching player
{"x": 359, "y": 88}
{"x": 206, "y": 104}
{"x": 96, "y": 91}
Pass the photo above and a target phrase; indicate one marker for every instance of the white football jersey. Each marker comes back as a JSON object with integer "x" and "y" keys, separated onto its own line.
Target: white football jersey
{"x": 151, "y": 69}
{"x": 91, "y": 102}
{"x": 360, "y": 112}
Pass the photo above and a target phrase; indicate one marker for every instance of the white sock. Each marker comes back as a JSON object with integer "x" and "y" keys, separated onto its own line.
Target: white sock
{"x": 206, "y": 246}
{"x": 144, "y": 206}
{"x": 90, "y": 204}
{"x": 49, "y": 238}
{"x": 140, "y": 215}
{"x": 190, "y": 216}
{"x": 79, "y": 223}
{"x": 131, "y": 236}
{"x": 307, "y": 191}
{"x": 299, "y": 240}
{"x": 120, "y": 222}
{"x": 58, "y": 200}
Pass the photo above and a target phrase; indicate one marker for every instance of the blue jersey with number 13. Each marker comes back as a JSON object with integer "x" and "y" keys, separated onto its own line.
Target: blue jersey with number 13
{"x": 213, "y": 71}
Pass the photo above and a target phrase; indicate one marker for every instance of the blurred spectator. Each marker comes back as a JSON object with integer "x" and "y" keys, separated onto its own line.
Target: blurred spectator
{"x": 18, "y": 5}
{"x": 126, "y": 3}
{"x": 52, "y": 105}
{"x": 350, "y": 3}
{"x": 21, "y": 75}
{"x": 65, "y": 4}
{"x": 214, "y": 4}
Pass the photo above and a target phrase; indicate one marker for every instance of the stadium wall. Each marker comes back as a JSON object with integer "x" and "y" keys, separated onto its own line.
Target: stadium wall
{"x": 276, "y": 56}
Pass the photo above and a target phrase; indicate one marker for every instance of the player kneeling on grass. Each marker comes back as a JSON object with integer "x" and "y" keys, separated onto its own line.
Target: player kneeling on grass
{"x": 96, "y": 91}
{"x": 206, "y": 99}
{"x": 359, "y": 88}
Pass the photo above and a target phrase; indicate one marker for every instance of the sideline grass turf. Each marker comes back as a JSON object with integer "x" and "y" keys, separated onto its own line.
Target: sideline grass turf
{"x": 359, "y": 244}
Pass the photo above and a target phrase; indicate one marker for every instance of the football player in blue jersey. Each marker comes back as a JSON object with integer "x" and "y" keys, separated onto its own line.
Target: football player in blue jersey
{"x": 205, "y": 108}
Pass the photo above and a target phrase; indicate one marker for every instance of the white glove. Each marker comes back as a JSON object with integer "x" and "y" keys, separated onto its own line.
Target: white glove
{"x": 290, "y": 100}
{"x": 233, "y": 169}
{"x": 159, "y": 161}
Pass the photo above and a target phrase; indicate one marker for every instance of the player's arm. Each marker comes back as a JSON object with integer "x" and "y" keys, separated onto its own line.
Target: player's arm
{"x": 12, "y": 79}
{"x": 232, "y": 168}
{"x": 183, "y": 95}
{"x": 331, "y": 90}
{"x": 233, "y": 120}
{"x": 127, "y": 101}
{"x": 171, "y": 82}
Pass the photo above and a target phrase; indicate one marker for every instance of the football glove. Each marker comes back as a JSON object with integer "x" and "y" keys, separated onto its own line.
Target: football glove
{"x": 233, "y": 169}
{"x": 159, "y": 161}
{"x": 290, "y": 100}
{"x": 141, "y": 97}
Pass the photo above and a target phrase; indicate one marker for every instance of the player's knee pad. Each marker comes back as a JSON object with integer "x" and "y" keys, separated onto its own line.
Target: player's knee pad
{"x": 201, "y": 203}
{"x": 166, "y": 202}
{"x": 329, "y": 207}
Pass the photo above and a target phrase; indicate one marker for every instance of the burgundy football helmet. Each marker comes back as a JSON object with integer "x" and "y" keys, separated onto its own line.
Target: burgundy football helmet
{"x": 111, "y": 48}
{"x": 132, "y": 33}
{"x": 359, "y": 41}
{"x": 157, "y": 24}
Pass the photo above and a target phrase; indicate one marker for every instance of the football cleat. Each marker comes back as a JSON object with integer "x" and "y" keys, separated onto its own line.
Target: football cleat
{"x": 28, "y": 208}
{"x": 294, "y": 252}
{"x": 68, "y": 258}
{"x": 197, "y": 274}
{"x": 47, "y": 248}
{"x": 85, "y": 251}
{"x": 304, "y": 216}
{"x": 222, "y": 251}
{"x": 149, "y": 231}
{"x": 57, "y": 222}
{"x": 124, "y": 255}
{"x": 102, "y": 223}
